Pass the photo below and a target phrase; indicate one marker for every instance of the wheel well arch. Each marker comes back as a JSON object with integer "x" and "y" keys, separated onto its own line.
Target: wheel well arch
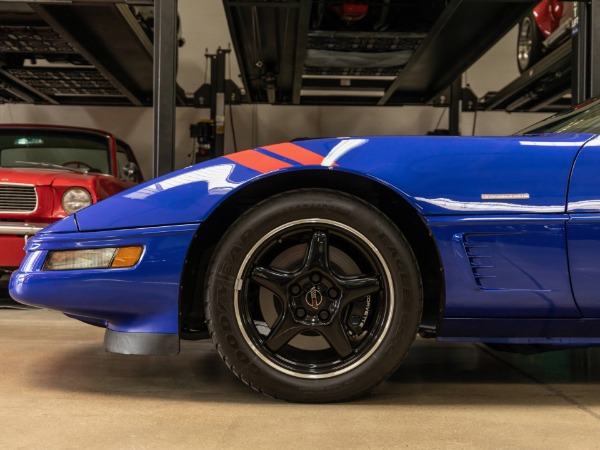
{"x": 396, "y": 208}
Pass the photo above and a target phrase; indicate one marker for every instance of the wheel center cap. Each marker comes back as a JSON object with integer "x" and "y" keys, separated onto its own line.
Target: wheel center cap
{"x": 313, "y": 298}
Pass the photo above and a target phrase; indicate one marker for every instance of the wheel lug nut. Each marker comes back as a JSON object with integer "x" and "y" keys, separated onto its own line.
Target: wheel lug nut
{"x": 333, "y": 293}
{"x": 295, "y": 290}
{"x": 301, "y": 313}
{"x": 324, "y": 314}
{"x": 355, "y": 321}
{"x": 315, "y": 277}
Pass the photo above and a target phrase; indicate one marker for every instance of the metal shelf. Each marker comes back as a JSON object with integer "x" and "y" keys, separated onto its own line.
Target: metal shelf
{"x": 89, "y": 53}
{"x": 542, "y": 88}
{"x": 294, "y": 52}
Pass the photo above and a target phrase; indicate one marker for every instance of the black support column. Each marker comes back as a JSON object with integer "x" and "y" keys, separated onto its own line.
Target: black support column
{"x": 586, "y": 51}
{"x": 165, "y": 59}
{"x": 454, "y": 110}
{"x": 594, "y": 36}
{"x": 217, "y": 100}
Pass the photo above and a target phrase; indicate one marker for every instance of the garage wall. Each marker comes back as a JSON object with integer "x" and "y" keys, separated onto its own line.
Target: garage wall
{"x": 205, "y": 27}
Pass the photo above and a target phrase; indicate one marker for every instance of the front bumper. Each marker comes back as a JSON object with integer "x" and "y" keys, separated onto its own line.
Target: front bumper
{"x": 21, "y": 228}
{"x": 137, "y": 300}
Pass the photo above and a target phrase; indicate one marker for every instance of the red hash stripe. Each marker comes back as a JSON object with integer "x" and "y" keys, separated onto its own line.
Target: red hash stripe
{"x": 257, "y": 161}
{"x": 295, "y": 153}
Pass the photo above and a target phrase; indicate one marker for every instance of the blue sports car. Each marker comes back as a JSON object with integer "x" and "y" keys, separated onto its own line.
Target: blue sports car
{"x": 313, "y": 265}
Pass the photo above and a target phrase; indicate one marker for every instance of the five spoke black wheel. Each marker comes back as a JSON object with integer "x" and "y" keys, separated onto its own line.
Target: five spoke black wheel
{"x": 304, "y": 305}
{"x": 313, "y": 298}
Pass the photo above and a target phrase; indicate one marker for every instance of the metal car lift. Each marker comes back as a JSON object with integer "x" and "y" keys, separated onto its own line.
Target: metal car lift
{"x": 569, "y": 69}
{"x": 274, "y": 41}
{"x": 91, "y": 53}
{"x": 271, "y": 39}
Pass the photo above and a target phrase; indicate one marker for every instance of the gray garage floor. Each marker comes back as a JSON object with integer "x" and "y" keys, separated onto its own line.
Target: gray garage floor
{"x": 59, "y": 389}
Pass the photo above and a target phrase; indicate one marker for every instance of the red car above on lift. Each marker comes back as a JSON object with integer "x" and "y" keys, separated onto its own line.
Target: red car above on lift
{"x": 49, "y": 172}
{"x": 543, "y": 29}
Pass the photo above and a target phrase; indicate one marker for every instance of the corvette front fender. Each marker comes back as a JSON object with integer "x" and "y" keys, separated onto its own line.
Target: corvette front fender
{"x": 437, "y": 175}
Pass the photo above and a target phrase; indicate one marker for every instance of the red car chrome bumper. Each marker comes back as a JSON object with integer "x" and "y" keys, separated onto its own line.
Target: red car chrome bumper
{"x": 13, "y": 236}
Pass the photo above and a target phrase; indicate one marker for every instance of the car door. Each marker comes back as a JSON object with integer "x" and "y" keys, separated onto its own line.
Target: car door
{"x": 583, "y": 229}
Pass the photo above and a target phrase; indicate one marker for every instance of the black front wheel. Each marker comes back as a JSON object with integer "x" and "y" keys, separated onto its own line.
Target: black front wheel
{"x": 313, "y": 296}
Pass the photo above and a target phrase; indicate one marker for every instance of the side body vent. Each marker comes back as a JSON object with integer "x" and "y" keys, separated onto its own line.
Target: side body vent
{"x": 480, "y": 260}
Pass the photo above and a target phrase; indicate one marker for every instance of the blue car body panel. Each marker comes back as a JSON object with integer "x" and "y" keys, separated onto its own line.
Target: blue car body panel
{"x": 140, "y": 299}
{"x": 436, "y": 175}
{"x": 506, "y": 224}
{"x": 505, "y": 266}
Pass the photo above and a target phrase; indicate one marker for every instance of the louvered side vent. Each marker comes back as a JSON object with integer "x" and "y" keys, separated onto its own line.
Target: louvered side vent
{"x": 19, "y": 198}
{"x": 480, "y": 259}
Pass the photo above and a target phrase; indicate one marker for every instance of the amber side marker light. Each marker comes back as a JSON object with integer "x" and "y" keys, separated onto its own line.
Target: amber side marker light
{"x": 127, "y": 257}
{"x": 93, "y": 258}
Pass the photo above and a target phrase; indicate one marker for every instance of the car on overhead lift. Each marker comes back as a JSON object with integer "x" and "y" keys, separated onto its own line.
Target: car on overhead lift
{"x": 49, "y": 172}
{"x": 542, "y": 30}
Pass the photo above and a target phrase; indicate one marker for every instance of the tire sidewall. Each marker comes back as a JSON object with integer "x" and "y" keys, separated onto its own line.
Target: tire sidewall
{"x": 267, "y": 216}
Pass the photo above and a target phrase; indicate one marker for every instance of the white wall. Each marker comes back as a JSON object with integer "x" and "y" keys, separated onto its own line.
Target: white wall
{"x": 204, "y": 26}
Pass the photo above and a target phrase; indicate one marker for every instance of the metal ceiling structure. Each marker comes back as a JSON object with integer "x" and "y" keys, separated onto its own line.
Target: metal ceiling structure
{"x": 98, "y": 52}
{"x": 401, "y": 52}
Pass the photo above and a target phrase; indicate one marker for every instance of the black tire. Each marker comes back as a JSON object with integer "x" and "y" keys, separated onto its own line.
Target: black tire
{"x": 313, "y": 296}
{"x": 529, "y": 43}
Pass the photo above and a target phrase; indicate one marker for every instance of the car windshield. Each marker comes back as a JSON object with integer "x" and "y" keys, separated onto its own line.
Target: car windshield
{"x": 584, "y": 118}
{"x": 54, "y": 149}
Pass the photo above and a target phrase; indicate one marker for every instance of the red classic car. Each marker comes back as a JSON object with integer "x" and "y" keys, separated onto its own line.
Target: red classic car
{"x": 540, "y": 31}
{"x": 49, "y": 172}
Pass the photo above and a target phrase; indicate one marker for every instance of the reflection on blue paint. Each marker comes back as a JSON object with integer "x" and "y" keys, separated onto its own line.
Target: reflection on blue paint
{"x": 342, "y": 148}
{"x": 217, "y": 177}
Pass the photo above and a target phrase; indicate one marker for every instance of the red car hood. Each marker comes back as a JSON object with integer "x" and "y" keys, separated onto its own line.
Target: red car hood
{"x": 39, "y": 177}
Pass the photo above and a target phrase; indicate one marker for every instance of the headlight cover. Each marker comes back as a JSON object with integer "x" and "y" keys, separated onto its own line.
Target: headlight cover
{"x": 75, "y": 199}
{"x": 93, "y": 258}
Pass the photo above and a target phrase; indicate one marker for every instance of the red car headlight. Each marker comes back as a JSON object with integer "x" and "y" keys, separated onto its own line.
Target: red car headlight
{"x": 75, "y": 199}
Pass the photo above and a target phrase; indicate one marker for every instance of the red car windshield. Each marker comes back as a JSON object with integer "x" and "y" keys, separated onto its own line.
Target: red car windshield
{"x": 54, "y": 149}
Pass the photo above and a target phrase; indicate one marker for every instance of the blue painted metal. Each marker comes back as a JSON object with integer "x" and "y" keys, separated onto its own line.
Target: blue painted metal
{"x": 504, "y": 260}
{"x": 584, "y": 189}
{"x": 584, "y": 249}
{"x": 505, "y": 266}
{"x": 143, "y": 298}
{"x": 584, "y": 229}
{"x": 438, "y": 175}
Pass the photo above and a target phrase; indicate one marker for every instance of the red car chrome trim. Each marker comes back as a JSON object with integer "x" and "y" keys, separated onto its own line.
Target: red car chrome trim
{"x": 20, "y": 228}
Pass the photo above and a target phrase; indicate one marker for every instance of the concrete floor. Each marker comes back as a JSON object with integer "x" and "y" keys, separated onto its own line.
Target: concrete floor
{"x": 59, "y": 389}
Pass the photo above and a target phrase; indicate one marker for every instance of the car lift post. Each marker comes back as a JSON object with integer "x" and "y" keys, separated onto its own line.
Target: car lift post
{"x": 454, "y": 108}
{"x": 217, "y": 100}
{"x": 210, "y": 134}
{"x": 586, "y": 44}
{"x": 165, "y": 54}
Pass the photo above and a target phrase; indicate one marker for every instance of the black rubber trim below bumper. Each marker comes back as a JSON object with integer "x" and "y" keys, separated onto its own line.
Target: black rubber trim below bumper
{"x": 141, "y": 343}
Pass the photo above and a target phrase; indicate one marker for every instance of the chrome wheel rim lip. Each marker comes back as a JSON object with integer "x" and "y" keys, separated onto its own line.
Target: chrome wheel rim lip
{"x": 525, "y": 43}
{"x": 390, "y": 305}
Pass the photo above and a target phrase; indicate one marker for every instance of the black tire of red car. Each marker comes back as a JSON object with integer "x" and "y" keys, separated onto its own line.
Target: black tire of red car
{"x": 313, "y": 296}
{"x": 529, "y": 43}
